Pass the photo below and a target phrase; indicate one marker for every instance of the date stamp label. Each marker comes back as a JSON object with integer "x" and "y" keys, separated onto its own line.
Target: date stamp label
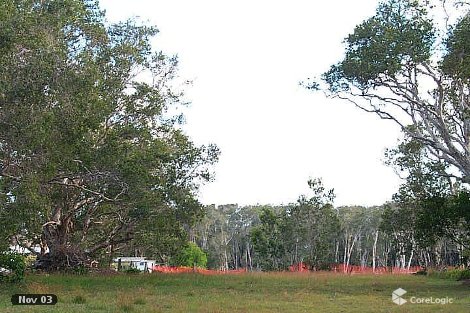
{"x": 33, "y": 299}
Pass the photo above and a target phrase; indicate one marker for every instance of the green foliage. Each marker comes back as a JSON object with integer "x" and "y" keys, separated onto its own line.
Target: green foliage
{"x": 430, "y": 205}
{"x": 88, "y": 148}
{"x": 15, "y": 263}
{"x": 191, "y": 255}
{"x": 223, "y": 233}
{"x": 446, "y": 216}
{"x": 317, "y": 232}
{"x": 456, "y": 62}
{"x": 399, "y": 33}
{"x": 424, "y": 176}
{"x": 452, "y": 274}
{"x": 305, "y": 232}
{"x": 160, "y": 235}
{"x": 399, "y": 224}
{"x": 80, "y": 270}
{"x": 269, "y": 240}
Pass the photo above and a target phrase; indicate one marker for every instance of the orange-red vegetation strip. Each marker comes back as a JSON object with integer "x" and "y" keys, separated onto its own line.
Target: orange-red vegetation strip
{"x": 301, "y": 267}
{"x": 357, "y": 269}
{"x": 185, "y": 269}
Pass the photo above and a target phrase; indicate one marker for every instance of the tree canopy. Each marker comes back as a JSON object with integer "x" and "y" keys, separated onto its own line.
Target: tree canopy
{"x": 88, "y": 149}
{"x": 409, "y": 63}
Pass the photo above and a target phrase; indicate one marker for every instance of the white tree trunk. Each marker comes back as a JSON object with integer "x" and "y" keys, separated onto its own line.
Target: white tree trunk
{"x": 374, "y": 251}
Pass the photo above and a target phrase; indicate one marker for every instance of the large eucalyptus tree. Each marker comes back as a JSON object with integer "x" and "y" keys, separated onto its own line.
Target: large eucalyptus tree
{"x": 410, "y": 63}
{"x": 88, "y": 151}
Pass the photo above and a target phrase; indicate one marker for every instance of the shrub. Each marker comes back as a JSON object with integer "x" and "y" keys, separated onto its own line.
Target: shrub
{"x": 421, "y": 273}
{"x": 79, "y": 299}
{"x": 14, "y": 266}
{"x": 462, "y": 274}
{"x": 139, "y": 301}
{"x": 324, "y": 267}
{"x": 80, "y": 270}
{"x": 192, "y": 255}
{"x": 453, "y": 274}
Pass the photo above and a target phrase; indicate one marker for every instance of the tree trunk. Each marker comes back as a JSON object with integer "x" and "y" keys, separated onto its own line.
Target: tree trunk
{"x": 349, "y": 250}
{"x": 336, "y": 251}
{"x": 374, "y": 250}
{"x": 225, "y": 260}
{"x": 409, "y": 260}
{"x": 249, "y": 256}
{"x": 345, "y": 252}
{"x": 62, "y": 255}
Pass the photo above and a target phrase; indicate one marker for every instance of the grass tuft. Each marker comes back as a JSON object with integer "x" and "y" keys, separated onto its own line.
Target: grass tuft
{"x": 125, "y": 308}
{"x": 79, "y": 299}
{"x": 139, "y": 301}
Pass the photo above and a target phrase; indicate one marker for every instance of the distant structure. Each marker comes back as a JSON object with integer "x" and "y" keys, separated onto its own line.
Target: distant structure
{"x": 140, "y": 263}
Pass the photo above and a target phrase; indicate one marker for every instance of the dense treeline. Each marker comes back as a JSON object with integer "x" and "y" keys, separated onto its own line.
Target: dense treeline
{"x": 312, "y": 231}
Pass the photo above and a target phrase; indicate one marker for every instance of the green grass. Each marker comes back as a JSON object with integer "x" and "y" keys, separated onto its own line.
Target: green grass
{"x": 260, "y": 292}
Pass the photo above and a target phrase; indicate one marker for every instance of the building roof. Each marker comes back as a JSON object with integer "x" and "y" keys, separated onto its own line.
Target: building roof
{"x": 129, "y": 259}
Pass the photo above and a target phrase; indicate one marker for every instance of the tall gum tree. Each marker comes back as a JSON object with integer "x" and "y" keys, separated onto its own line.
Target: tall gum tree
{"x": 410, "y": 63}
{"x": 88, "y": 151}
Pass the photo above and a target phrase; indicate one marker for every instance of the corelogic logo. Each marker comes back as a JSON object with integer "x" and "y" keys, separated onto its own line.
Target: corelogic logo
{"x": 397, "y": 296}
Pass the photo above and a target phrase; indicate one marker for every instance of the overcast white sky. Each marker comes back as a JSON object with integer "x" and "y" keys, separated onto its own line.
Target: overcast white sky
{"x": 246, "y": 59}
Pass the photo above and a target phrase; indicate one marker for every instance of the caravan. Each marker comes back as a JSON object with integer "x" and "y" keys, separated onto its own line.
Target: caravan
{"x": 139, "y": 263}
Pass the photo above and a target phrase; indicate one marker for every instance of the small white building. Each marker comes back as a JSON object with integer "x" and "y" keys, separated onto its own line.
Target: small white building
{"x": 140, "y": 263}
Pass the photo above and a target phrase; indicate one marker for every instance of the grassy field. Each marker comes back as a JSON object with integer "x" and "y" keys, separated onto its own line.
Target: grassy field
{"x": 260, "y": 292}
